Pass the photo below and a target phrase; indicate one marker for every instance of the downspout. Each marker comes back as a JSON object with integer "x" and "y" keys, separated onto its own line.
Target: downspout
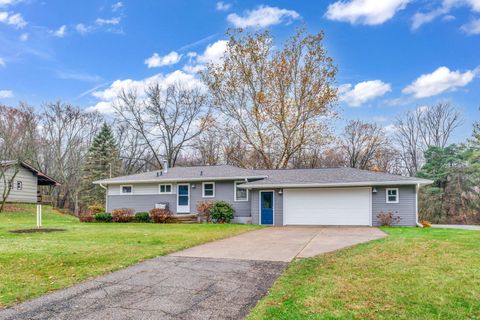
{"x": 417, "y": 187}
{"x": 106, "y": 196}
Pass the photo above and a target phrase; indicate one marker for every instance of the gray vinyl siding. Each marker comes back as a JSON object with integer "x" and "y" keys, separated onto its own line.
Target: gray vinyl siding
{"x": 278, "y": 207}
{"x": 405, "y": 208}
{"x": 145, "y": 196}
{"x": 28, "y": 194}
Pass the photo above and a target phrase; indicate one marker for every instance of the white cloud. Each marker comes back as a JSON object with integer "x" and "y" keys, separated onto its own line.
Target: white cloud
{"x": 473, "y": 27}
{"x": 83, "y": 29}
{"x": 2, "y": 62}
{"x": 390, "y": 129}
{"x": 5, "y": 3}
{"x": 61, "y": 32}
{"x": 421, "y": 18}
{"x": 369, "y": 12}
{"x": 15, "y": 19}
{"x": 6, "y": 94}
{"x": 117, "y": 6}
{"x": 109, "y": 95}
{"x": 439, "y": 81}
{"x": 112, "y": 21}
{"x": 263, "y": 16}
{"x": 214, "y": 52}
{"x": 223, "y": 6}
{"x": 156, "y": 60}
{"x": 24, "y": 37}
{"x": 363, "y": 92}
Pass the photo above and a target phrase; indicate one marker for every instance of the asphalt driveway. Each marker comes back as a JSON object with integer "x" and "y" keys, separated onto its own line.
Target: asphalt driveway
{"x": 218, "y": 280}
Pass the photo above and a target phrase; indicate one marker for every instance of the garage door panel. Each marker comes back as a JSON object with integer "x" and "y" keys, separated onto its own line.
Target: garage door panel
{"x": 315, "y": 206}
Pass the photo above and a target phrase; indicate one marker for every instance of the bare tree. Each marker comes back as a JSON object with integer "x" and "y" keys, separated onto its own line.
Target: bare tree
{"x": 437, "y": 124}
{"x": 276, "y": 99}
{"x": 67, "y": 132}
{"x": 423, "y": 127}
{"x": 363, "y": 144}
{"x": 134, "y": 153}
{"x": 18, "y": 137}
{"x": 167, "y": 119}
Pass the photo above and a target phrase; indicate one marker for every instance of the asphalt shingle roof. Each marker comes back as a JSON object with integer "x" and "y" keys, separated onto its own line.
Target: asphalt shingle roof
{"x": 327, "y": 176}
{"x": 220, "y": 172}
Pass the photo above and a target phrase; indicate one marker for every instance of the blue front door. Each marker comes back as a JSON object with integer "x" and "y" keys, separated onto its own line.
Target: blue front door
{"x": 266, "y": 207}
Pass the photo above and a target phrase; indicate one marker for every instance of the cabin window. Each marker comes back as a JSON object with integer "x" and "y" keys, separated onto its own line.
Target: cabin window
{"x": 208, "y": 189}
{"x": 165, "y": 188}
{"x": 19, "y": 185}
{"x": 241, "y": 194}
{"x": 126, "y": 189}
{"x": 392, "y": 195}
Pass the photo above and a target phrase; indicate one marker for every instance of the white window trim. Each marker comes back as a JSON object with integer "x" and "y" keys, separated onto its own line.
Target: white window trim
{"x": 386, "y": 195}
{"x": 203, "y": 189}
{"x": 126, "y": 185}
{"x": 165, "y": 184}
{"x": 235, "y": 192}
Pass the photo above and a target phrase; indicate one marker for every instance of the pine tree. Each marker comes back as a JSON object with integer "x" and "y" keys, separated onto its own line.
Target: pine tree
{"x": 102, "y": 162}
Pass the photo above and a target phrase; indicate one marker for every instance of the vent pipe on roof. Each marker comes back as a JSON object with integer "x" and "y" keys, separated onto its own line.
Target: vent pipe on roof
{"x": 165, "y": 166}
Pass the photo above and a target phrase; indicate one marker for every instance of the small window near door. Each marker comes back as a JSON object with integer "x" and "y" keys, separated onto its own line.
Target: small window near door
{"x": 208, "y": 190}
{"x": 126, "y": 189}
{"x": 241, "y": 194}
{"x": 392, "y": 195}
{"x": 19, "y": 185}
{"x": 165, "y": 188}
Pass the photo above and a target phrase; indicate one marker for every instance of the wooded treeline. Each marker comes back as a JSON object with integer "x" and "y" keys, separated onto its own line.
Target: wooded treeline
{"x": 263, "y": 106}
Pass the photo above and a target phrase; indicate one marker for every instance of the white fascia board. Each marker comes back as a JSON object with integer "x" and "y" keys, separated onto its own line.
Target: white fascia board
{"x": 177, "y": 180}
{"x": 335, "y": 184}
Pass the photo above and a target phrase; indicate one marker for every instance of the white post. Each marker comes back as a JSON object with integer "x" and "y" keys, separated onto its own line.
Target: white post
{"x": 39, "y": 215}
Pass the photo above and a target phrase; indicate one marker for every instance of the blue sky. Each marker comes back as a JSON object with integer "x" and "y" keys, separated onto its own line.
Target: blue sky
{"x": 392, "y": 55}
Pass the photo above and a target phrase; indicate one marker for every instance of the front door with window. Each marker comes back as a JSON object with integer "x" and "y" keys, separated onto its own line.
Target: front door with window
{"x": 266, "y": 207}
{"x": 183, "y": 198}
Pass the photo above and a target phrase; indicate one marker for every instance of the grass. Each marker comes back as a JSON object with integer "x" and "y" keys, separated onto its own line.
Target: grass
{"x": 35, "y": 263}
{"x": 412, "y": 274}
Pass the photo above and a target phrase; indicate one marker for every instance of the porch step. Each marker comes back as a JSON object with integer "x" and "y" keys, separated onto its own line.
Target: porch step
{"x": 183, "y": 218}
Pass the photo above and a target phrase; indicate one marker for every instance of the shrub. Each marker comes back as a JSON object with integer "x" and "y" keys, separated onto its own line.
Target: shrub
{"x": 122, "y": 215}
{"x": 86, "y": 217}
{"x": 160, "y": 215}
{"x": 426, "y": 223}
{"x": 221, "y": 212}
{"x": 204, "y": 208}
{"x": 103, "y": 217}
{"x": 388, "y": 218}
{"x": 142, "y": 217}
{"x": 96, "y": 208}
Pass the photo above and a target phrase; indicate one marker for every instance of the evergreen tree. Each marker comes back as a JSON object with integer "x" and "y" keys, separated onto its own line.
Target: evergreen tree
{"x": 102, "y": 162}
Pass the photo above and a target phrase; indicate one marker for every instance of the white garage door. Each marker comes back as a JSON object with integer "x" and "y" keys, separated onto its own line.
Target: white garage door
{"x": 332, "y": 206}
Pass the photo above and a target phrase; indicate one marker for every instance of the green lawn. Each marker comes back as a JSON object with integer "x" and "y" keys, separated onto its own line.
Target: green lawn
{"x": 33, "y": 264}
{"x": 413, "y": 274}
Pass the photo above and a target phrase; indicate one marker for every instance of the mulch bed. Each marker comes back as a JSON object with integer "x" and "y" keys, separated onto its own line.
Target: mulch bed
{"x": 37, "y": 230}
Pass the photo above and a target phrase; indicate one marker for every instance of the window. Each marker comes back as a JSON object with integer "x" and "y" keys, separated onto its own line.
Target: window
{"x": 19, "y": 185}
{"x": 392, "y": 195}
{"x": 241, "y": 194}
{"x": 208, "y": 189}
{"x": 126, "y": 189}
{"x": 165, "y": 188}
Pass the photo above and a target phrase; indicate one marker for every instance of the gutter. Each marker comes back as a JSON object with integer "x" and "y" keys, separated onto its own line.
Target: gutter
{"x": 416, "y": 206}
{"x": 173, "y": 180}
{"x": 333, "y": 184}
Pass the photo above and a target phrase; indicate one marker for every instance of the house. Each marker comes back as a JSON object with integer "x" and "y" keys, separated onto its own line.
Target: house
{"x": 25, "y": 185}
{"x": 336, "y": 196}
